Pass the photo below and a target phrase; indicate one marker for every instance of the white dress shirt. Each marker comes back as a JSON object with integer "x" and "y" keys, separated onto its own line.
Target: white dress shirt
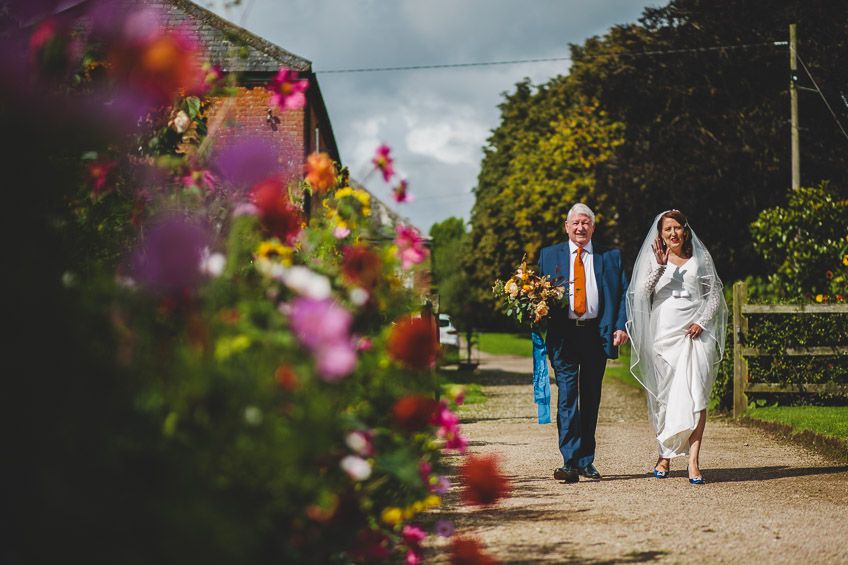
{"x": 591, "y": 284}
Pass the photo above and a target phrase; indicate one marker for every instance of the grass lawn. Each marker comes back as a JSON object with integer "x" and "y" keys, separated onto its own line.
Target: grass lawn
{"x": 451, "y": 379}
{"x": 505, "y": 344}
{"x": 520, "y": 344}
{"x": 825, "y": 420}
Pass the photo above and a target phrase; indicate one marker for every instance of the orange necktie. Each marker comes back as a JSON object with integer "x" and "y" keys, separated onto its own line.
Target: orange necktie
{"x": 579, "y": 285}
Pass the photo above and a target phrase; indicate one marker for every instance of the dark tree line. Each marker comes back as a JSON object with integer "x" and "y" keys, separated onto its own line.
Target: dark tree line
{"x": 702, "y": 126}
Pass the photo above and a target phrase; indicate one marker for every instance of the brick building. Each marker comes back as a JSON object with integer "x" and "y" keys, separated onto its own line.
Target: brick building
{"x": 293, "y": 133}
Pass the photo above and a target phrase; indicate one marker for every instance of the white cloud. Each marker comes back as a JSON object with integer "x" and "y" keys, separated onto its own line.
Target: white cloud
{"x": 454, "y": 142}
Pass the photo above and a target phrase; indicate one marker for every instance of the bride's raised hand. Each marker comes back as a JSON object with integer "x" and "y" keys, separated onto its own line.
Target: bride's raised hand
{"x": 659, "y": 254}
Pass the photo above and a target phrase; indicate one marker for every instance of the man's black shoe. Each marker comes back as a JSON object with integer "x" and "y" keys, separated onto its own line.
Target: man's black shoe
{"x": 567, "y": 474}
{"x": 590, "y": 472}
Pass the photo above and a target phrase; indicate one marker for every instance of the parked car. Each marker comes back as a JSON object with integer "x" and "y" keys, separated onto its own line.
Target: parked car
{"x": 447, "y": 333}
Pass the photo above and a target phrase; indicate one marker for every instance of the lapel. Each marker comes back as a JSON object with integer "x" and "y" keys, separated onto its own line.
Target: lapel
{"x": 564, "y": 262}
{"x": 598, "y": 263}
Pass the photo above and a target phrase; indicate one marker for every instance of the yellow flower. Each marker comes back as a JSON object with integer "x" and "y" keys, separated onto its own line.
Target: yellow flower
{"x": 819, "y": 298}
{"x": 845, "y": 259}
{"x": 271, "y": 250}
{"x": 432, "y": 501}
{"x": 363, "y": 197}
{"x": 342, "y": 192}
{"x": 391, "y": 515}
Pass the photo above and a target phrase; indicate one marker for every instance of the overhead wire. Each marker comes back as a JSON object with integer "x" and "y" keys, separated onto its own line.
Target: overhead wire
{"x": 553, "y": 59}
{"x": 824, "y": 99}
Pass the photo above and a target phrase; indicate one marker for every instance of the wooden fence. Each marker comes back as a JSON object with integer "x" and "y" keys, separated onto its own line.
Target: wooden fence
{"x": 741, "y": 352}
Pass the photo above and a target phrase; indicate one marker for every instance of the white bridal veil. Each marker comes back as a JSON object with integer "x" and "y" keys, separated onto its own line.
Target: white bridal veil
{"x": 711, "y": 315}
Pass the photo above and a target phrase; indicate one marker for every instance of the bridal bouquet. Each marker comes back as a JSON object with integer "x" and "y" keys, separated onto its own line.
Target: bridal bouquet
{"x": 529, "y": 297}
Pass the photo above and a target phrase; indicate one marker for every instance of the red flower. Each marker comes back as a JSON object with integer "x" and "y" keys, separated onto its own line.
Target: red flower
{"x": 276, "y": 212}
{"x": 467, "y": 551}
{"x": 100, "y": 177}
{"x": 484, "y": 482}
{"x": 414, "y": 342}
{"x": 413, "y": 412}
{"x": 401, "y": 194}
{"x": 361, "y": 266}
{"x": 286, "y": 378}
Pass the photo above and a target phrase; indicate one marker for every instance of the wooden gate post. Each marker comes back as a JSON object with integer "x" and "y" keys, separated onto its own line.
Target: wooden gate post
{"x": 740, "y": 364}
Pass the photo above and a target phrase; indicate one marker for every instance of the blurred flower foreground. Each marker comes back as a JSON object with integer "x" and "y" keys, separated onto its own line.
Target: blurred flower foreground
{"x": 211, "y": 362}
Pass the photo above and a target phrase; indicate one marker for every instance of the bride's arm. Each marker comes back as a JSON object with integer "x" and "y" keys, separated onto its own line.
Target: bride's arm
{"x": 710, "y": 294}
{"x": 650, "y": 282}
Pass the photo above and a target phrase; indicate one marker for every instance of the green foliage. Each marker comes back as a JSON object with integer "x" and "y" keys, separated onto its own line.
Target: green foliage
{"x": 805, "y": 243}
{"x": 447, "y": 252}
{"x": 699, "y": 130}
{"x": 153, "y": 421}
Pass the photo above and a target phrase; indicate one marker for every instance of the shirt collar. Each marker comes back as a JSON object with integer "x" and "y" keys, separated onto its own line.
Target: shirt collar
{"x": 572, "y": 248}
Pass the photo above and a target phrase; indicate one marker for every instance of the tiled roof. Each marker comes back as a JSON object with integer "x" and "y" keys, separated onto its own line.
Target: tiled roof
{"x": 222, "y": 39}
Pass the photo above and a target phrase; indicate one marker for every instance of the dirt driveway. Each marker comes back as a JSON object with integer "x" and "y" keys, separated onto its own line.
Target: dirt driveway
{"x": 764, "y": 501}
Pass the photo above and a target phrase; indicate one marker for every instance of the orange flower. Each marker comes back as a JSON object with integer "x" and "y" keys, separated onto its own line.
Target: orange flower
{"x": 829, "y": 274}
{"x": 320, "y": 172}
{"x": 467, "y": 551}
{"x": 414, "y": 412}
{"x": 485, "y": 483}
{"x": 361, "y": 266}
{"x": 414, "y": 342}
{"x": 286, "y": 378}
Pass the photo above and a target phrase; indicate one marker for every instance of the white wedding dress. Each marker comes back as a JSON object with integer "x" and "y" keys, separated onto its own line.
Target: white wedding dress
{"x": 678, "y": 372}
{"x": 683, "y": 366}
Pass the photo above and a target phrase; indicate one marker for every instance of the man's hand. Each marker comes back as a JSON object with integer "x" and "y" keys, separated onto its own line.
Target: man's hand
{"x": 619, "y": 338}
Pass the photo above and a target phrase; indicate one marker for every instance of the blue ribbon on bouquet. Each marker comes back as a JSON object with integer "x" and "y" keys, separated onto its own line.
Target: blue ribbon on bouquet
{"x": 541, "y": 380}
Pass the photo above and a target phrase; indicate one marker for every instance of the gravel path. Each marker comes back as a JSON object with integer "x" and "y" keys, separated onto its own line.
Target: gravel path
{"x": 764, "y": 501}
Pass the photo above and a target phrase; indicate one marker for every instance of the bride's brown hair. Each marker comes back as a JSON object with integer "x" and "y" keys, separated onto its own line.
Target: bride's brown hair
{"x": 678, "y": 216}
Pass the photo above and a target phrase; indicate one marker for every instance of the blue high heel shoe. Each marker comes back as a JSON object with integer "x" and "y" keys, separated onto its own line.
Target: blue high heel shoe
{"x": 660, "y": 474}
{"x": 699, "y": 480}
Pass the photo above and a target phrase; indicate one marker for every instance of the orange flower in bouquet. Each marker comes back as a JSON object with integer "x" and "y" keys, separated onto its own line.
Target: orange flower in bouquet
{"x": 528, "y": 297}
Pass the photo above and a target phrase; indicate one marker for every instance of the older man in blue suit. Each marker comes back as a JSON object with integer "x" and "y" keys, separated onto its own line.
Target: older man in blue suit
{"x": 581, "y": 338}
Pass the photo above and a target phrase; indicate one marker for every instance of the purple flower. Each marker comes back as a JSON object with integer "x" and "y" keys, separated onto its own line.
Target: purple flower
{"x": 247, "y": 161}
{"x": 444, "y": 528}
{"x": 171, "y": 257}
{"x": 442, "y": 485}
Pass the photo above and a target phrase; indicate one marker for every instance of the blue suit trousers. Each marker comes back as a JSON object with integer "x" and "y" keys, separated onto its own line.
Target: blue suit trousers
{"x": 578, "y": 359}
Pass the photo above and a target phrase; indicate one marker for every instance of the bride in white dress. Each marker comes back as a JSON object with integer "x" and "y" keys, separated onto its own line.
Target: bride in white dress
{"x": 676, "y": 318}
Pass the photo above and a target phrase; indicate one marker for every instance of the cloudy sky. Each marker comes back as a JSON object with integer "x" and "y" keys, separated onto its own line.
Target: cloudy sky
{"x": 437, "y": 120}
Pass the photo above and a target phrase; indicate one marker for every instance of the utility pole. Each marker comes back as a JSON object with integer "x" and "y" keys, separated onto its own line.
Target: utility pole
{"x": 793, "y": 98}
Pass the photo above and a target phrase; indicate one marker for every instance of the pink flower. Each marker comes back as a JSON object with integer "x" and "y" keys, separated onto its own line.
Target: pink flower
{"x": 201, "y": 178}
{"x": 424, "y": 469}
{"x": 323, "y": 326}
{"x": 413, "y": 535}
{"x": 401, "y": 195}
{"x": 320, "y": 323}
{"x": 335, "y": 360}
{"x": 287, "y": 90}
{"x": 413, "y": 557}
{"x": 410, "y": 246}
{"x": 383, "y": 162}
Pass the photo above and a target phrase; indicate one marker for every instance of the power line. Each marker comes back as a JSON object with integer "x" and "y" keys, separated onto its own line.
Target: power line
{"x": 552, "y": 59}
{"x": 832, "y": 113}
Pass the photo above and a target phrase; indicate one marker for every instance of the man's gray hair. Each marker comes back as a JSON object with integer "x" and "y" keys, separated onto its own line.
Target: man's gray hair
{"x": 581, "y": 208}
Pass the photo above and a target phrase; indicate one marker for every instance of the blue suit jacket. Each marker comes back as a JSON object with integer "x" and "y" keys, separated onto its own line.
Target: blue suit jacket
{"x": 612, "y": 287}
